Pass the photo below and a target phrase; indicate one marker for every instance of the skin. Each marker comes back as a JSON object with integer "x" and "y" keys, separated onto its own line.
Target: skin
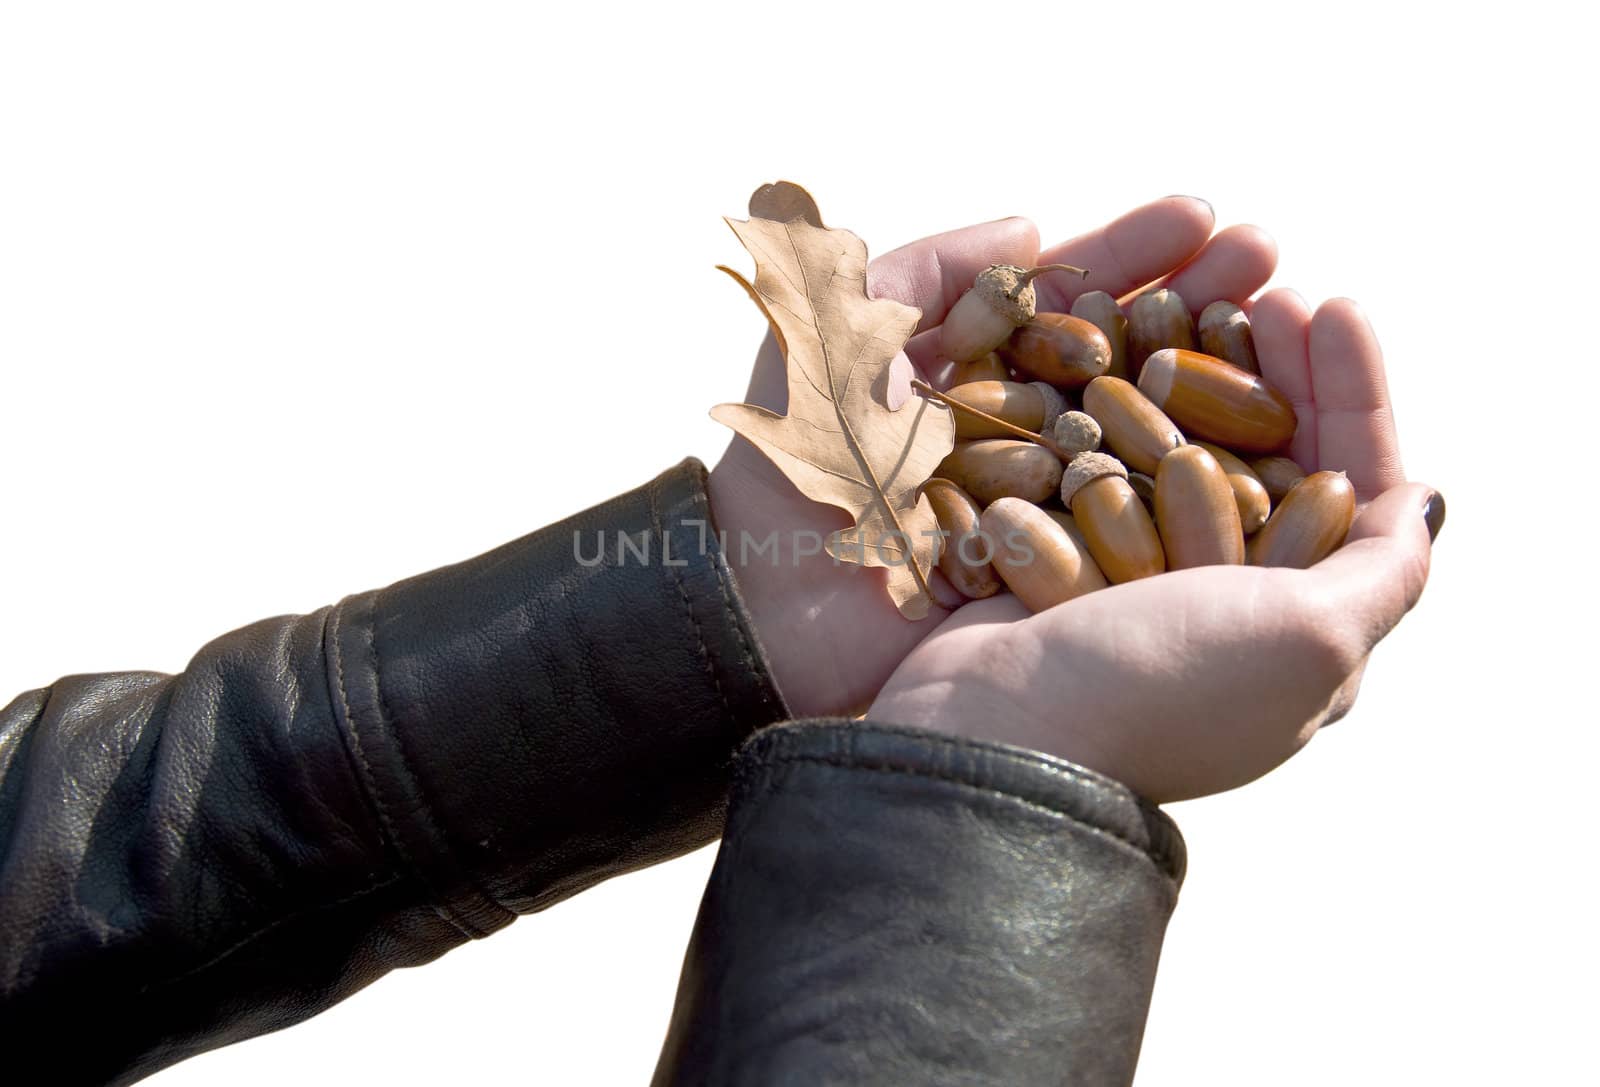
{"x": 1178, "y": 686}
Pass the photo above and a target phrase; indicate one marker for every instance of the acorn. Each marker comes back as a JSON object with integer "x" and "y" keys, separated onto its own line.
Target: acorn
{"x": 1132, "y": 427}
{"x": 1102, "y": 311}
{"x": 1216, "y": 402}
{"x": 1157, "y": 319}
{"x": 1277, "y": 475}
{"x": 1309, "y": 524}
{"x": 1037, "y": 558}
{"x": 985, "y": 368}
{"x": 1195, "y": 511}
{"x": 1001, "y": 298}
{"x": 1115, "y": 524}
{"x": 1225, "y": 334}
{"x": 1059, "y": 348}
{"x": 1025, "y": 406}
{"x": 994, "y": 468}
{"x": 1249, "y": 493}
{"x": 964, "y": 554}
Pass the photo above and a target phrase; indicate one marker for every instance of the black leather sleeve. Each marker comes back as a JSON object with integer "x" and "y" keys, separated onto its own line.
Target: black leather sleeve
{"x": 188, "y": 860}
{"x": 891, "y": 906}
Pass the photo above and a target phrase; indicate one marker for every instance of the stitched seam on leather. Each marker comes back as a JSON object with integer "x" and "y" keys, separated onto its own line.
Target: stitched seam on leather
{"x": 368, "y": 779}
{"x": 1165, "y": 847}
{"x": 793, "y": 737}
{"x": 389, "y": 721}
{"x": 256, "y": 934}
{"x": 1036, "y": 805}
{"x": 688, "y": 609}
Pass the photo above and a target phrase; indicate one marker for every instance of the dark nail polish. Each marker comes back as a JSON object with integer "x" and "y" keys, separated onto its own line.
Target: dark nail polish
{"x": 1433, "y": 514}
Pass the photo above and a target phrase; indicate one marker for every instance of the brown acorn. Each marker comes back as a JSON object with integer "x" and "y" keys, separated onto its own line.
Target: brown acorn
{"x": 1115, "y": 524}
{"x": 985, "y": 368}
{"x": 994, "y": 468}
{"x": 1157, "y": 319}
{"x": 1001, "y": 298}
{"x": 1009, "y": 401}
{"x": 1036, "y": 557}
{"x": 1216, "y": 402}
{"x": 1309, "y": 524}
{"x": 1277, "y": 475}
{"x": 1056, "y": 347}
{"x": 1131, "y": 426}
{"x": 1195, "y": 511}
{"x": 1225, "y": 334}
{"x": 963, "y": 553}
{"x": 1249, "y": 493}
{"x": 1102, "y": 311}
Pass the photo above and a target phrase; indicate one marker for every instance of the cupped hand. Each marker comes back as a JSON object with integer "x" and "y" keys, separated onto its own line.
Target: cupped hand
{"x": 830, "y": 631}
{"x": 1201, "y": 680}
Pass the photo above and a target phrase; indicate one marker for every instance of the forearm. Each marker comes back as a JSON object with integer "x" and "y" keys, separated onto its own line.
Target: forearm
{"x": 193, "y": 859}
{"x": 895, "y": 906}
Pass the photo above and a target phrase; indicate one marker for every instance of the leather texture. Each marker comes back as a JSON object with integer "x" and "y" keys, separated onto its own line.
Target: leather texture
{"x": 189, "y": 860}
{"x": 891, "y": 906}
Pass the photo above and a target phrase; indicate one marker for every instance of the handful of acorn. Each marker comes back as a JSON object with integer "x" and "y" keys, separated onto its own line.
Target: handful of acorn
{"x": 1216, "y": 491}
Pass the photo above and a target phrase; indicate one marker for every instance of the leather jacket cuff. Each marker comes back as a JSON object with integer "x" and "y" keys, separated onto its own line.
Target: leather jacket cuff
{"x": 556, "y": 711}
{"x": 891, "y": 905}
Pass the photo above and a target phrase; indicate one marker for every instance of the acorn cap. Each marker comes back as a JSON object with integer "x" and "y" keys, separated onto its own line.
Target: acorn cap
{"x": 997, "y": 285}
{"x": 1054, "y": 403}
{"x": 1077, "y": 432}
{"x": 1086, "y": 468}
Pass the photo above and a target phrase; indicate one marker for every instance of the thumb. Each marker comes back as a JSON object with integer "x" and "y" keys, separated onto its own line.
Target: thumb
{"x": 1380, "y": 572}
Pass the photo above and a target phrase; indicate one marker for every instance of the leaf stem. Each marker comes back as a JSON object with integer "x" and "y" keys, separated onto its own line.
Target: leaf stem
{"x": 1009, "y": 428}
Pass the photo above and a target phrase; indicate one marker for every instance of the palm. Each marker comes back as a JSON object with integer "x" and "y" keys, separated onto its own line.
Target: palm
{"x": 830, "y": 631}
{"x": 1201, "y": 680}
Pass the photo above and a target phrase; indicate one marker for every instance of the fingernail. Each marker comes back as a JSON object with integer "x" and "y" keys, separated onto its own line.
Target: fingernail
{"x": 1196, "y": 199}
{"x": 1433, "y": 514}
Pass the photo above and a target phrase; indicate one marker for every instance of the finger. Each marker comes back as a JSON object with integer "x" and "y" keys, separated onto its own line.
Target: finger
{"x": 1280, "y": 323}
{"x": 1127, "y": 253}
{"x": 1380, "y": 572}
{"x": 933, "y": 272}
{"x": 1355, "y": 424}
{"x": 1231, "y": 266}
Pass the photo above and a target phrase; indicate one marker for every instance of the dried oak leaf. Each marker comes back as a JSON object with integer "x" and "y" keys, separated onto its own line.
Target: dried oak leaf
{"x": 844, "y": 441}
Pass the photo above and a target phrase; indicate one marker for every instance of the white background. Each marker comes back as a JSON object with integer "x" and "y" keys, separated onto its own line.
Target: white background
{"x": 298, "y": 299}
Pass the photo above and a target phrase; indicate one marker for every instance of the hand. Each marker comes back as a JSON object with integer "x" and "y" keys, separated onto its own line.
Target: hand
{"x": 1201, "y": 680}
{"x": 830, "y": 632}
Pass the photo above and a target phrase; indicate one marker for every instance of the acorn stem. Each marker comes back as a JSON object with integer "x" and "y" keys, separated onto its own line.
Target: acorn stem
{"x": 1009, "y": 428}
{"x": 1028, "y": 276}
